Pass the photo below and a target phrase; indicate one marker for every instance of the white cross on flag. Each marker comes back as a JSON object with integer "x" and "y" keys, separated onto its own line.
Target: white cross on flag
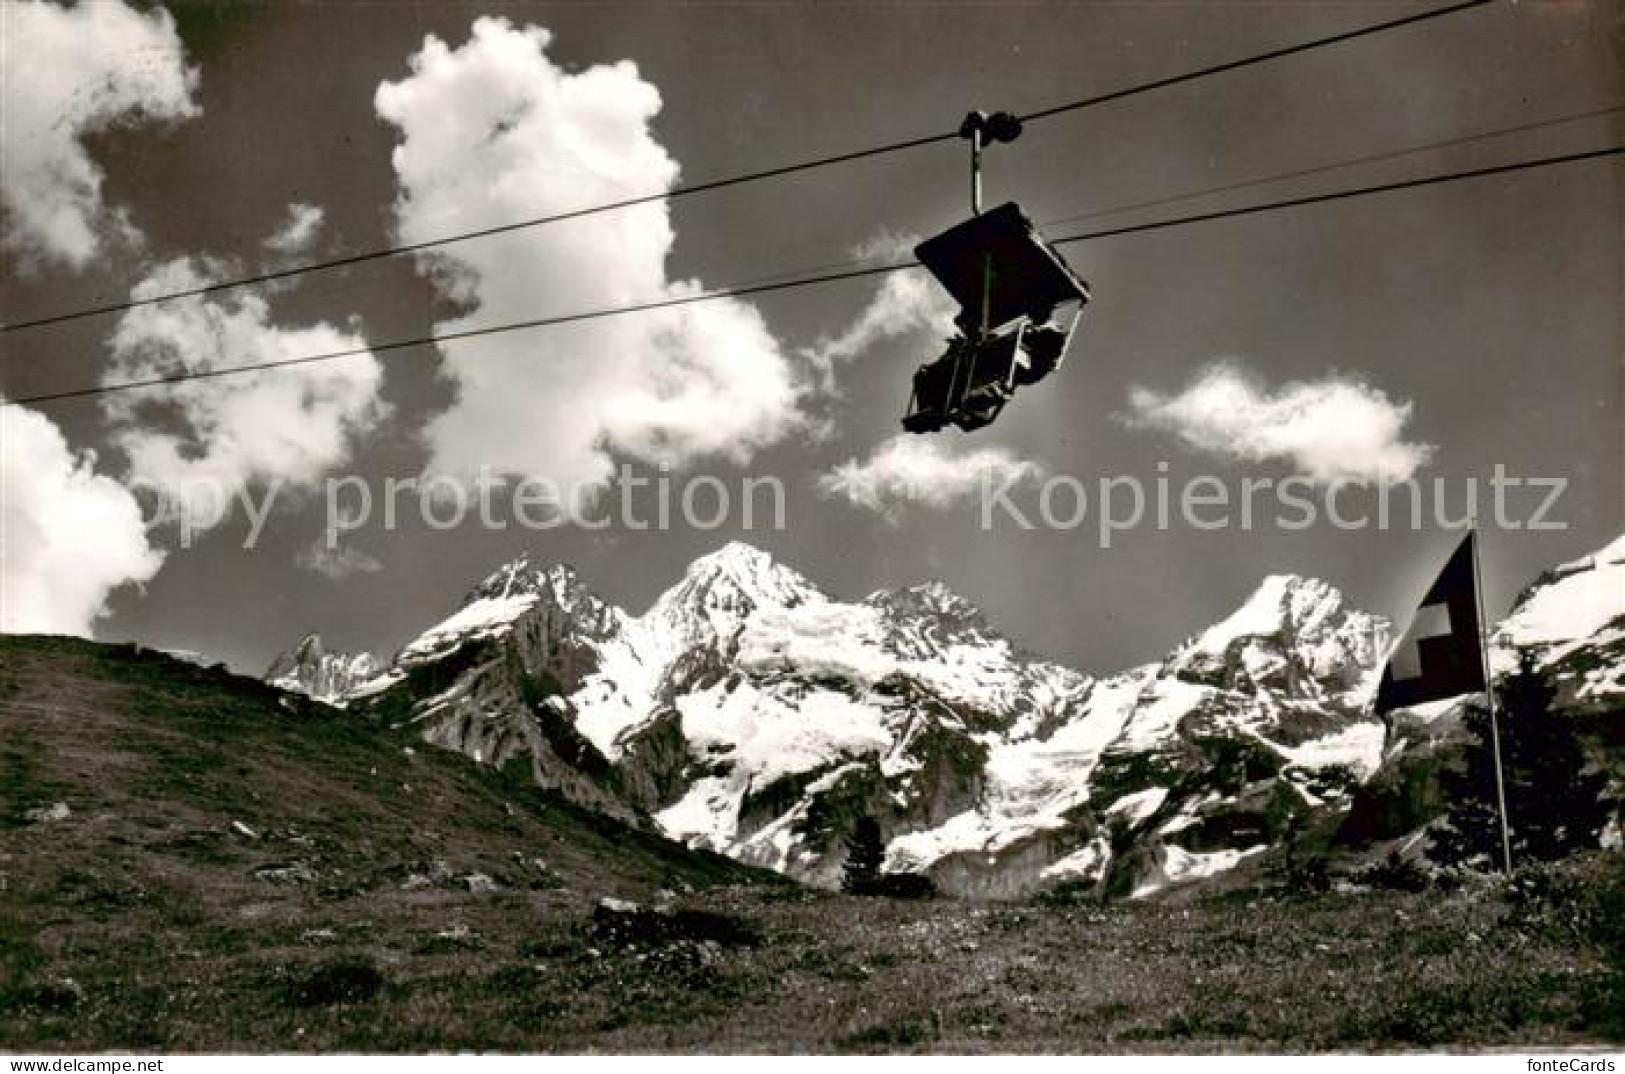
{"x": 1439, "y": 655}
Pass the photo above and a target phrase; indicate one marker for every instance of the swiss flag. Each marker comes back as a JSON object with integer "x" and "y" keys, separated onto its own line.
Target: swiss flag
{"x": 1439, "y": 655}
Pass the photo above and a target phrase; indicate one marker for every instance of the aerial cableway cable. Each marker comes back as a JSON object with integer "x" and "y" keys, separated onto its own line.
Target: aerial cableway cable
{"x": 1230, "y": 188}
{"x": 684, "y": 190}
{"x": 766, "y": 288}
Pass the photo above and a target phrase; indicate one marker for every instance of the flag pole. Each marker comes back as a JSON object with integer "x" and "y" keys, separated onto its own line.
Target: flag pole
{"x": 1489, "y": 695}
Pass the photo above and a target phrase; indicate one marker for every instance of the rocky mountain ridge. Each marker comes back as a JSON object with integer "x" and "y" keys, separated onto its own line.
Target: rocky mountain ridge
{"x": 750, "y": 713}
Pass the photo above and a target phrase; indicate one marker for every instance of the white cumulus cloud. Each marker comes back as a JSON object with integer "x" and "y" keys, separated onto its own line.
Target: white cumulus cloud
{"x": 493, "y": 131}
{"x": 336, "y": 564}
{"x": 906, "y": 301}
{"x": 203, "y": 442}
{"x": 304, "y": 221}
{"x": 915, "y": 470}
{"x": 68, "y": 535}
{"x": 1332, "y": 430}
{"x": 66, "y": 73}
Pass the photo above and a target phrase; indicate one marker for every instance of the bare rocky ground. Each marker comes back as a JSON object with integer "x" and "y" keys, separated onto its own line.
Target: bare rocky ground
{"x": 190, "y": 863}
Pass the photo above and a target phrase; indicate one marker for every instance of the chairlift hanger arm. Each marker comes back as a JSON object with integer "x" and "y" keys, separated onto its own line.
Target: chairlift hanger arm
{"x": 1006, "y": 280}
{"x": 982, "y": 129}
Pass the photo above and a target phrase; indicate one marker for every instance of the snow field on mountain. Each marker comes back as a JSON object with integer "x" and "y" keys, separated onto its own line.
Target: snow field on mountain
{"x": 967, "y": 749}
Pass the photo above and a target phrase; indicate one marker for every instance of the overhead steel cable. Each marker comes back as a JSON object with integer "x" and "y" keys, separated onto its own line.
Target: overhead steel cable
{"x": 765, "y": 288}
{"x": 1263, "y": 57}
{"x": 684, "y": 190}
{"x": 1230, "y": 188}
{"x": 1322, "y": 169}
{"x": 1340, "y": 195}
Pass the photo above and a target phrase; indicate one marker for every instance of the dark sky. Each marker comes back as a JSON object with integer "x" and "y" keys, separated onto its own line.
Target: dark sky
{"x": 1494, "y": 306}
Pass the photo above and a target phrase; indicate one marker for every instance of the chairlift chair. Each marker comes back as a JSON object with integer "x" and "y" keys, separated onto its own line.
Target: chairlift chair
{"x": 969, "y": 385}
{"x": 1020, "y": 303}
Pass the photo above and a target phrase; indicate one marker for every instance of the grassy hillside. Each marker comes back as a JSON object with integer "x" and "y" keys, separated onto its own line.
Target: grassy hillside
{"x": 238, "y": 872}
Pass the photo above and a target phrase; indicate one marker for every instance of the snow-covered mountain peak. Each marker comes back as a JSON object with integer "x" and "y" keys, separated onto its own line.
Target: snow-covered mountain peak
{"x": 735, "y": 555}
{"x": 1570, "y": 601}
{"x": 748, "y": 712}
{"x": 499, "y": 601}
{"x": 1292, "y": 633}
{"x": 1570, "y": 619}
{"x": 1282, "y": 604}
{"x": 309, "y": 647}
{"x": 731, "y": 584}
{"x": 929, "y": 598}
{"x": 516, "y": 575}
{"x": 1610, "y": 554}
{"x": 519, "y": 576}
{"x": 310, "y": 669}
{"x": 751, "y": 569}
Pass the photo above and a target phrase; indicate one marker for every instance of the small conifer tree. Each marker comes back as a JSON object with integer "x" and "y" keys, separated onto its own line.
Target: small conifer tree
{"x": 1555, "y": 804}
{"x": 865, "y": 853}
